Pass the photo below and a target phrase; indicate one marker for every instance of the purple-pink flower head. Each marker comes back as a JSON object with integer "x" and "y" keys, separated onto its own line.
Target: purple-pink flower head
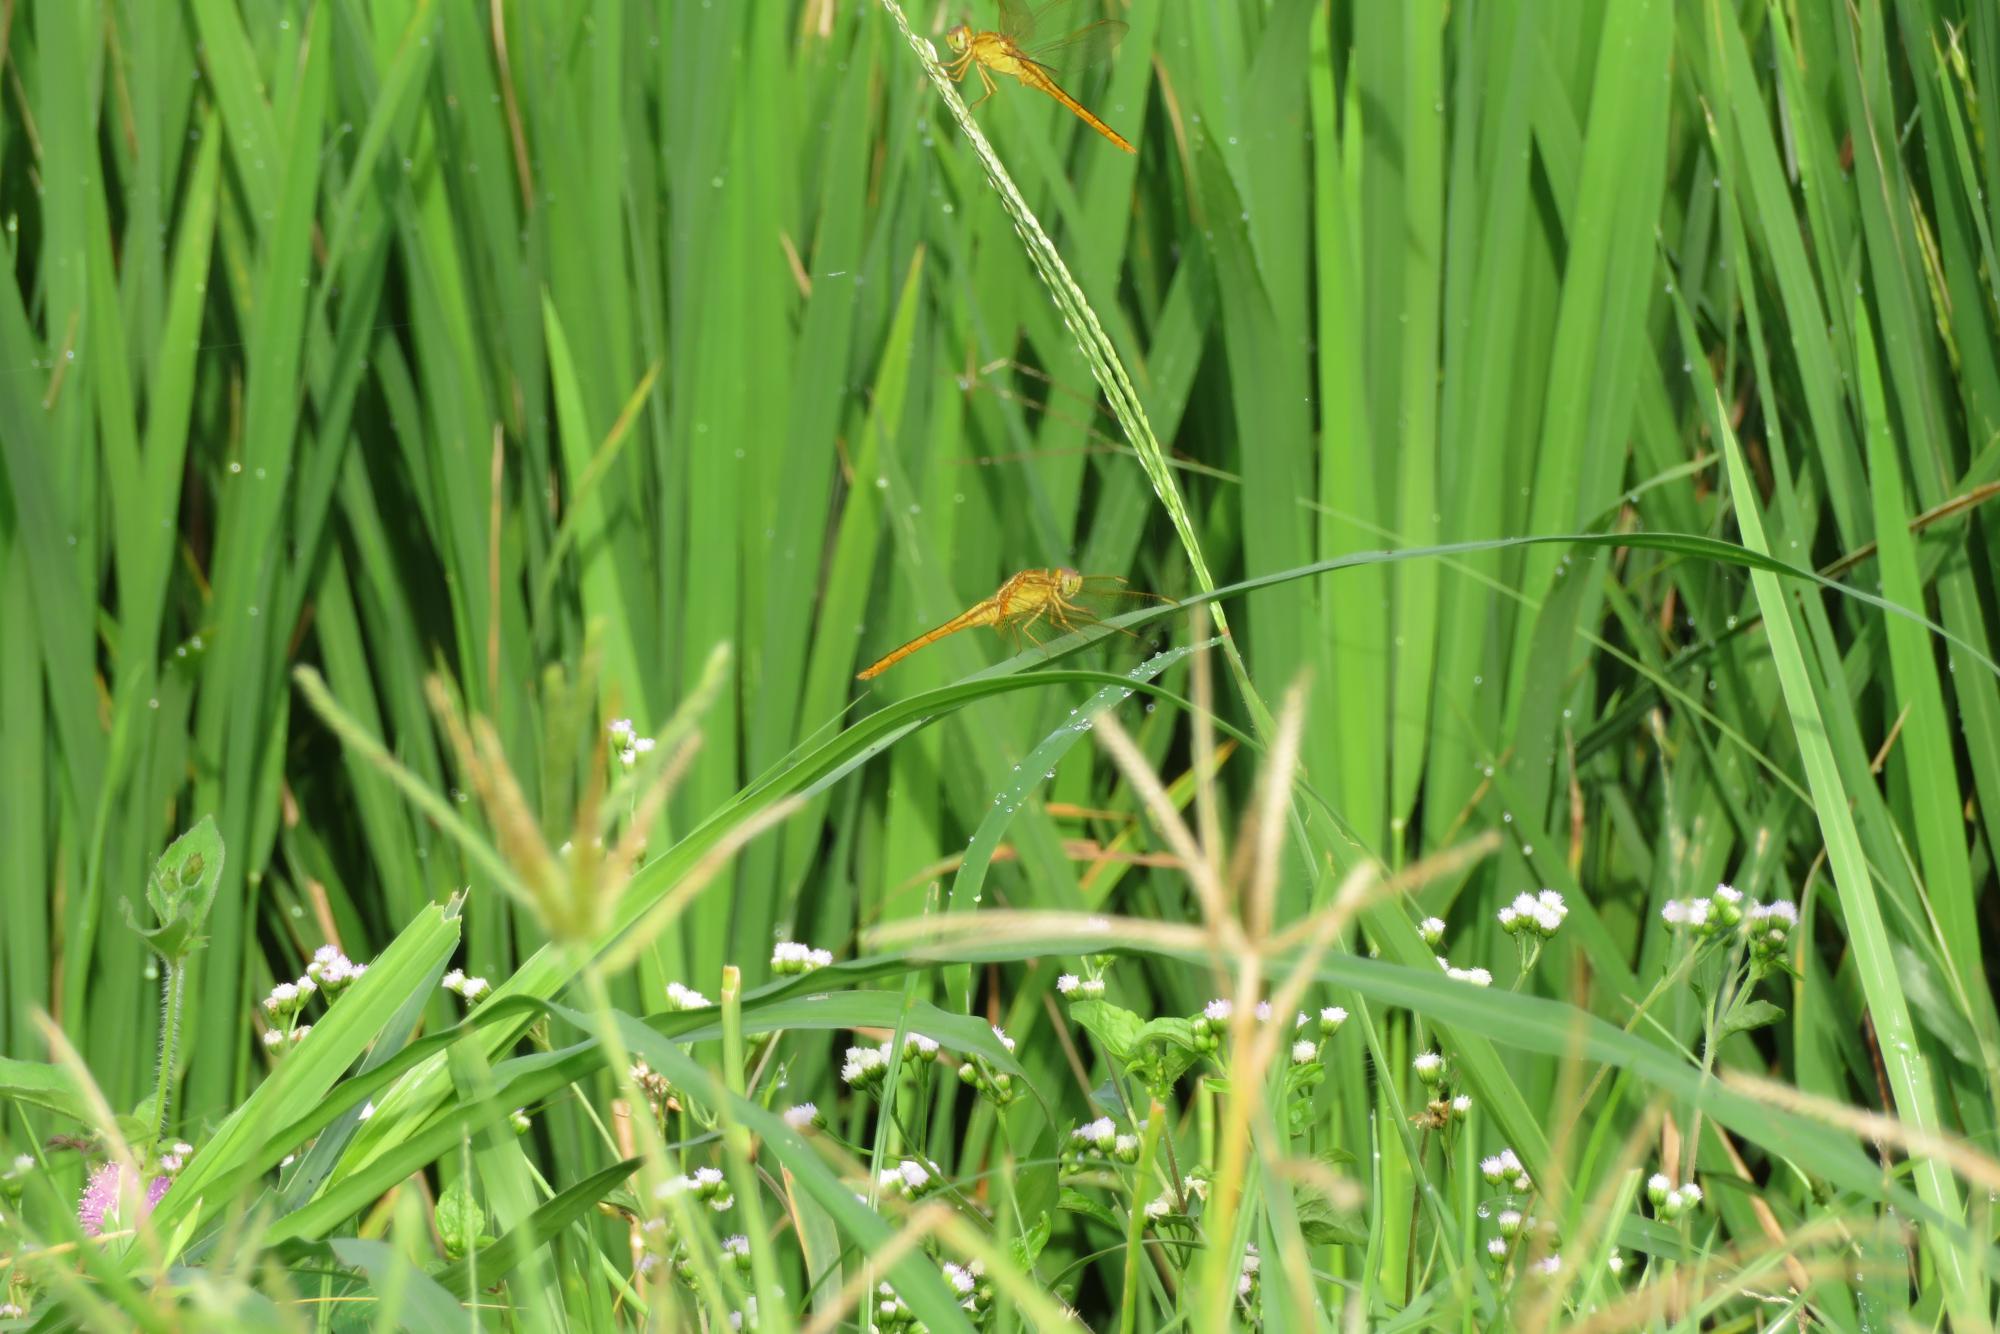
{"x": 99, "y": 1205}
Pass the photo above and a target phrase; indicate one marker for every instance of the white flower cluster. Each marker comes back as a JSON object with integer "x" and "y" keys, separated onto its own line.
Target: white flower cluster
{"x": 1431, "y": 929}
{"x": 332, "y": 970}
{"x": 1541, "y": 913}
{"x": 471, "y": 990}
{"x": 789, "y": 957}
{"x": 1478, "y": 977}
{"x": 685, "y": 998}
{"x": 1671, "y": 1201}
{"x": 1505, "y": 1169}
{"x": 982, "y": 1075}
{"x": 1080, "y": 988}
{"x": 628, "y": 741}
{"x": 867, "y": 1067}
{"x": 1101, "y": 1139}
{"x": 288, "y": 998}
{"x": 967, "y": 1283}
{"x": 799, "y": 1116}
{"x": 1768, "y": 926}
{"x": 328, "y": 973}
{"x": 707, "y": 1184}
{"x": 908, "y": 1179}
{"x": 1429, "y": 1066}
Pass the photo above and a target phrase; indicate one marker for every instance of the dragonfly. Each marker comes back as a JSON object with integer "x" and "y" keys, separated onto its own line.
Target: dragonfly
{"x": 1061, "y": 599}
{"x": 1014, "y": 50}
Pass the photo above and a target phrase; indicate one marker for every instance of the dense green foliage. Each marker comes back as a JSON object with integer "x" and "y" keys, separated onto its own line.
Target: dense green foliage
{"x": 1600, "y": 398}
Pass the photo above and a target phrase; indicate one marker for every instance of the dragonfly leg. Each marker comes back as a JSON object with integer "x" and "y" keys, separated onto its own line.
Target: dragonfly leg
{"x": 986, "y": 80}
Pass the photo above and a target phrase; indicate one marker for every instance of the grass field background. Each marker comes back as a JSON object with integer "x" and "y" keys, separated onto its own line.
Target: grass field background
{"x": 543, "y": 349}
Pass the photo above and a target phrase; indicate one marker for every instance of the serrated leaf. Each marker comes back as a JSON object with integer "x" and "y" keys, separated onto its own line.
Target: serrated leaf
{"x": 1748, "y": 1014}
{"x": 40, "y": 1084}
{"x": 1076, "y": 1202}
{"x": 1116, "y": 1028}
{"x": 1027, "y": 1247}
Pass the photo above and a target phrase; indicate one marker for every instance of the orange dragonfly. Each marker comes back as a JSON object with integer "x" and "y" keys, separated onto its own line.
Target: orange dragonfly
{"x": 1061, "y": 599}
{"x": 1014, "y": 50}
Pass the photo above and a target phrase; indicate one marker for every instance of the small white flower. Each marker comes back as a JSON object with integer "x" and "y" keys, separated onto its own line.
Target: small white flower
{"x": 1728, "y": 894}
{"x": 1126, "y": 1146}
{"x": 1431, "y": 929}
{"x": 1691, "y": 1193}
{"x": 1548, "y": 921}
{"x": 961, "y": 1282}
{"x": 1103, "y": 1132}
{"x": 736, "y": 1247}
{"x": 620, "y": 727}
{"x": 1159, "y": 1207}
{"x": 1068, "y": 983}
{"x": 1004, "y": 1040}
{"x": 1461, "y": 1106}
{"x": 1263, "y": 1012}
{"x": 707, "y": 1176}
{"x": 1305, "y": 1051}
{"x": 1497, "y": 1247}
{"x": 1615, "y": 1263}
{"x": 684, "y": 998}
{"x": 274, "y": 1037}
{"x": 1674, "y": 913}
{"x": 1429, "y": 1066}
{"x": 863, "y": 1063}
{"x": 1510, "y": 920}
{"x": 1331, "y": 1018}
{"x": 1697, "y": 912}
{"x": 474, "y": 988}
{"x": 800, "y": 1116}
{"x": 919, "y": 1043}
{"x": 1494, "y": 1169}
{"x": 306, "y": 985}
{"x": 1510, "y": 1222}
{"x": 1511, "y": 1165}
{"x": 1219, "y": 1010}
{"x": 1548, "y": 1264}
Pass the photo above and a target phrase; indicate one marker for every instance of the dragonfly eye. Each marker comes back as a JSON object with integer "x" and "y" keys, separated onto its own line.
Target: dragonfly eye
{"x": 957, "y": 38}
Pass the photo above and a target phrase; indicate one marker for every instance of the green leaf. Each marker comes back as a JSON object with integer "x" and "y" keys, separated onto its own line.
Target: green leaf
{"x": 1116, "y": 1028}
{"x": 1027, "y": 1246}
{"x": 1076, "y": 1202}
{"x": 1745, "y": 1015}
{"x": 40, "y": 1084}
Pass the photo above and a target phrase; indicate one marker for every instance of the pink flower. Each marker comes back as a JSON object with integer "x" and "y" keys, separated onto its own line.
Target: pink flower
{"x": 100, "y": 1199}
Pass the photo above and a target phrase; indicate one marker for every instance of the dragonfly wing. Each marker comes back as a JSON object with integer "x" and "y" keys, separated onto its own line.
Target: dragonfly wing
{"x": 1087, "y": 46}
{"x": 1017, "y": 21}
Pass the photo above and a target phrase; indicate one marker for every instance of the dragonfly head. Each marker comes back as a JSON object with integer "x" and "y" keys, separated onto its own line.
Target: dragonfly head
{"x": 1069, "y": 581}
{"x": 958, "y": 38}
